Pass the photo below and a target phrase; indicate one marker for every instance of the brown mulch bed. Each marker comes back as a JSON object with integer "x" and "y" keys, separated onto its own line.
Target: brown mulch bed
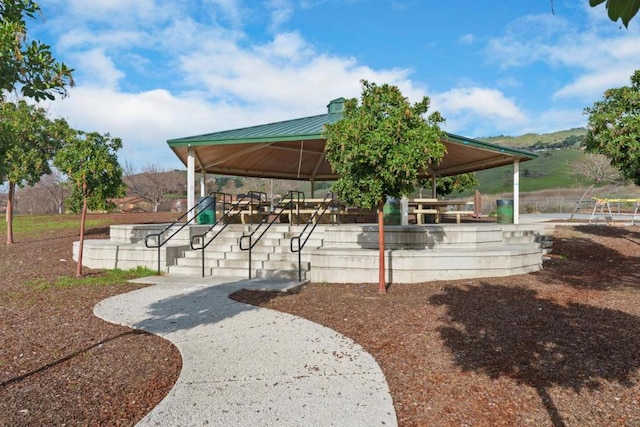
{"x": 59, "y": 364}
{"x": 558, "y": 347}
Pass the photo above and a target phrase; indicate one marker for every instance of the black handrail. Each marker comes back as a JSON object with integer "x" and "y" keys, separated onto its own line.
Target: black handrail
{"x": 284, "y": 204}
{"x": 313, "y": 222}
{"x": 226, "y": 220}
{"x": 159, "y": 242}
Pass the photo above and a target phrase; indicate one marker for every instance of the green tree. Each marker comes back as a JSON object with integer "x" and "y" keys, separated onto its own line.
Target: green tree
{"x": 27, "y": 66}
{"x": 619, "y": 9}
{"x": 378, "y": 149}
{"x": 614, "y": 128}
{"x": 28, "y": 142}
{"x": 90, "y": 162}
{"x": 449, "y": 184}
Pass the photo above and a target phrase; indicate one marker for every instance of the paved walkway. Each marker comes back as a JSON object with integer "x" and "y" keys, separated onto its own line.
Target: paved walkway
{"x": 249, "y": 366}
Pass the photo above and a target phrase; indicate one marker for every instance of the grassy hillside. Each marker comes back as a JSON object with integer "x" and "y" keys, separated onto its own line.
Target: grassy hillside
{"x": 532, "y": 139}
{"x": 550, "y": 170}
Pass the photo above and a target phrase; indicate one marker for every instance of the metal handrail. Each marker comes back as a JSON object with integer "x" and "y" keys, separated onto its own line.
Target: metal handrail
{"x": 226, "y": 220}
{"x": 284, "y": 204}
{"x": 331, "y": 203}
{"x": 159, "y": 242}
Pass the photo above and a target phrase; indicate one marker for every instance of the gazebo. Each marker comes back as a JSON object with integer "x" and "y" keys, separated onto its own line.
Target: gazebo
{"x": 295, "y": 149}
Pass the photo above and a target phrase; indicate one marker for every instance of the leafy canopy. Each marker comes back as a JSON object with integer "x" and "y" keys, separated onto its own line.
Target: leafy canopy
{"x": 614, "y": 128}
{"x": 456, "y": 184}
{"x": 619, "y": 9}
{"x": 27, "y": 65}
{"x": 380, "y": 145}
{"x": 90, "y": 161}
{"x": 28, "y": 142}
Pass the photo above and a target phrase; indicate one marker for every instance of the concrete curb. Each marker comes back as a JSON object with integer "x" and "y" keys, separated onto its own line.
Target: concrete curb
{"x": 245, "y": 365}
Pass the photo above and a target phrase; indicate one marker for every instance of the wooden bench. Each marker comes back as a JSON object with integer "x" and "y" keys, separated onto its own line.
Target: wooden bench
{"x": 421, "y": 213}
{"x": 458, "y": 214}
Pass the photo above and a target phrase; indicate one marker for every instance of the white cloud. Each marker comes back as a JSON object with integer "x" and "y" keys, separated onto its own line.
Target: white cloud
{"x": 100, "y": 67}
{"x": 558, "y": 119}
{"x": 468, "y": 39}
{"x": 286, "y": 74}
{"x": 481, "y": 102}
{"x": 281, "y": 11}
{"x": 116, "y": 13}
{"x": 593, "y": 85}
{"x": 224, "y": 76}
{"x": 144, "y": 120}
{"x": 586, "y": 60}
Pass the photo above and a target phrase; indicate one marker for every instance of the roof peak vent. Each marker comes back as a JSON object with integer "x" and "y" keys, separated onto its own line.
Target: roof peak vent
{"x": 336, "y": 106}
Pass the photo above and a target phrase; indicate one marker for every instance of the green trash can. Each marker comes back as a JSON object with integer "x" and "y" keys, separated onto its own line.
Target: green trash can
{"x": 391, "y": 211}
{"x": 206, "y": 210}
{"x": 505, "y": 211}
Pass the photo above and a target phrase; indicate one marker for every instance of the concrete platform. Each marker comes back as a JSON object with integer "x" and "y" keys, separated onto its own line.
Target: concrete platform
{"x": 339, "y": 254}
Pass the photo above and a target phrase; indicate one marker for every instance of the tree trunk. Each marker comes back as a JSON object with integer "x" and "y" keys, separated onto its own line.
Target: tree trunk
{"x": 9, "y": 214}
{"x": 382, "y": 286}
{"x": 82, "y": 224}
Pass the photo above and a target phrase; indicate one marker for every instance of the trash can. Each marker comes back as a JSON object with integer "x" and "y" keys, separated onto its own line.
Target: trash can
{"x": 391, "y": 211}
{"x": 206, "y": 210}
{"x": 504, "y": 211}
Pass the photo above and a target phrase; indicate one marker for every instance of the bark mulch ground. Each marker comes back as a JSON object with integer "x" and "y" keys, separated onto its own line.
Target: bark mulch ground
{"x": 557, "y": 347}
{"x": 560, "y": 347}
{"x": 59, "y": 364}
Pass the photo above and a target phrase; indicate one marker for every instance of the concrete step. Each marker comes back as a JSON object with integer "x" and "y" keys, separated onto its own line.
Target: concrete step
{"x": 233, "y": 272}
{"x": 257, "y": 248}
{"x": 217, "y": 247}
{"x": 270, "y": 242}
{"x": 286, "y": 246}
{"x": 244, "y": 255}
{"x": 414, "y": 266}
{"x": 189, "y": 270}
{"x": 242, "y": 264}
{"x": 285, "y": 265}
{"x": 281, "y": 274}
{"x": 207, "y": 254}
{"x": 195, "y": 262}
{"x": 223, "y": 239}
{"x": 289, "y": 256}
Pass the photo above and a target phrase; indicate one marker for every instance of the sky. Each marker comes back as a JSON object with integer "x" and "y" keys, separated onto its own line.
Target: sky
{"x": 151, "y": 70}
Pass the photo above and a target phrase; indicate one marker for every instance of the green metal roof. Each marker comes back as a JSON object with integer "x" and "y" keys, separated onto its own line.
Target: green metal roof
{"x": 289, "y": 130}
{"x": 294, "y": 149}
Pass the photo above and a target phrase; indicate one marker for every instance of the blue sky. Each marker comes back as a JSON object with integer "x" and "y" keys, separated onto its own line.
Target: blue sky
{"x": 152, "y": 70}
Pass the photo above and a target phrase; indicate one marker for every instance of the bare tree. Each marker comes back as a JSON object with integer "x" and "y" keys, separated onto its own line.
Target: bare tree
{"x": 594, "y": 169}
{"x": 154, "y": 184}
{"x": 55, "y": 189}
{"x": 273, "y": 188}
{"x": 4, "y": 193}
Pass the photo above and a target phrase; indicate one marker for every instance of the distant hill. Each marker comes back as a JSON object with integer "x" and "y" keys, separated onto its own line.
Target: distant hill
{"x": 556, "y": 151}
{"x": 534, "y": 141}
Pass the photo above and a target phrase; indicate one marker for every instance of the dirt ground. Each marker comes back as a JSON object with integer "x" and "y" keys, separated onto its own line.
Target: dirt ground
{"x": 557, "y": 347}
{"x": 59, "y": 364}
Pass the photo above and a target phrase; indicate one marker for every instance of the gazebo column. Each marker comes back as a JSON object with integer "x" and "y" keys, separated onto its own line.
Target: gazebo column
{"x": 516, "y": 191}
{"x": 203, "y": 183}
{"x": 191, "y": 182}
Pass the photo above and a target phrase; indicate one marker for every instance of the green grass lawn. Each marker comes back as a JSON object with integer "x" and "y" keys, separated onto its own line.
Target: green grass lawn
{"x": 31, "y": 226}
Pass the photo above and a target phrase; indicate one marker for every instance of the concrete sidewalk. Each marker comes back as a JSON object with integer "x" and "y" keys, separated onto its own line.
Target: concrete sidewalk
{"x": 249, "y": 366}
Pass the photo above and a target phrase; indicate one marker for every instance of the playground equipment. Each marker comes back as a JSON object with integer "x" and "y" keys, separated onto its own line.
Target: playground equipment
{"x": 602, "y": 204}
